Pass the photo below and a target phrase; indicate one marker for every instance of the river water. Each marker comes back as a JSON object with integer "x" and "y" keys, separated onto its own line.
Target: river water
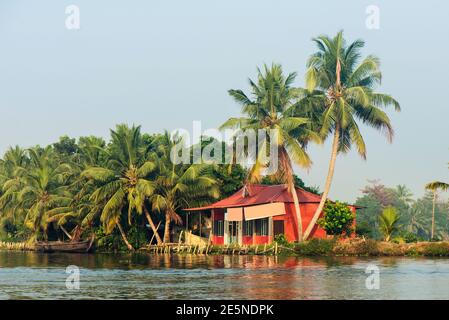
{"x": 31, "y": 275}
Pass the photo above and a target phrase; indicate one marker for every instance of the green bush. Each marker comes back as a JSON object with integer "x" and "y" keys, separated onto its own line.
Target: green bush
{"x": 367, "y": 248}
{"x": 108, "y": 242}
{"x": 281, "y": 240}
{"x": 363, "y": 229}
{"x": 398, "y": 240}
{"x": 13, "y": 231}
{"x": 389, "y": 223}
{"x": 436, "y": 239}
{"x": 338, "y": 219}
{"x": 409, "y": 237}
{"x": 412, "y": 252}
{"x": 315, "y": 247}
{"x": 436, "y": 249}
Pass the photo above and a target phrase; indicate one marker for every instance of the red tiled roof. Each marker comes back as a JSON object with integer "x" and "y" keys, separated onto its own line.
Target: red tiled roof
{"x": 260, "y": 194}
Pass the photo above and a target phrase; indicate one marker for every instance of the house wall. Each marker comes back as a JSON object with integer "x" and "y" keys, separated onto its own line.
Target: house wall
{"x": 307, "y": 211}
{"x": 262, "y": 239}
{"x": 247, "y": 240}
{"x": 290, "y": 223}
{"x": 217, "y": 214}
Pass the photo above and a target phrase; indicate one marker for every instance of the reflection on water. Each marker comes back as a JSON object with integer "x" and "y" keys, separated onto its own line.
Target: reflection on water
{"x": 30, "y": 275}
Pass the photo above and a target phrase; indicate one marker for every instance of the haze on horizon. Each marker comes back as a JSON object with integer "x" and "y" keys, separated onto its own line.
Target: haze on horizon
{"x": 165, "y": 64}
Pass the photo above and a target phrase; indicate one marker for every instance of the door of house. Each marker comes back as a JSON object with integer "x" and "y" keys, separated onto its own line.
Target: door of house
{"x": 278, "y": 227}
{"x": 233, "y": 232}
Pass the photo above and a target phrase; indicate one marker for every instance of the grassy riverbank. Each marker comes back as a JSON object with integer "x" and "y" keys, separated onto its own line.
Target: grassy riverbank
{"x": 318, "y": 247}
{"x": 370, "y": 247}
{"x": 315, "y": 247}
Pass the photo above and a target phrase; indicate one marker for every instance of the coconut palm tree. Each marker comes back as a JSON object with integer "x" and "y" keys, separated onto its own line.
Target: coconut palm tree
{"x": 434, "y": 187}
{"x": 347, "y": 97}
{"x": 11, "y": 169}
{"x": 81, "y": 211}
{"x": 418, "y": 219}
{"x": 122, "y": 183}
{"x": 179, "y": 186}
{"x": 273, "y": 106}
{"x": 388, "y": 222}
{"x": 404, "y": 194}
{"x": 43, "y": 188}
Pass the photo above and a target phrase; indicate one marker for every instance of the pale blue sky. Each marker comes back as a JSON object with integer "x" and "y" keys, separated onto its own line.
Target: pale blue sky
{"x": 163, "y": 64}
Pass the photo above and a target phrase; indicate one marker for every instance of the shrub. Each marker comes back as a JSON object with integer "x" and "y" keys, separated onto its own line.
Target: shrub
{"x": 281, "y": 240}
{"x": 337, "y": 219}
{"x": 389, "y": 223}
{"x": 436, "y": 249}
{"x": 358, "y": 247}
{"x": 398, "y": 240}
{"x": 409, "y": 237}
{"x": 12, "y": 231}
{"x": 367, "y": 248}
{"x": 316, "y": 247}
{"x": 363, "y": 229}
{"x": 412, "y": 252}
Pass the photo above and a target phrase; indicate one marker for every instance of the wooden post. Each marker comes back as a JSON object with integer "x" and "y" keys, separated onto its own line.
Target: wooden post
{"x": 200, "y": 224}
{"x": 154, "y": 234}
{"x": 179, "y": 240}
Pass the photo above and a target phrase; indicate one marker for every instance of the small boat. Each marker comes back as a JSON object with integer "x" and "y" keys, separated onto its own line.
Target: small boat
{"x": 61, "y": 246}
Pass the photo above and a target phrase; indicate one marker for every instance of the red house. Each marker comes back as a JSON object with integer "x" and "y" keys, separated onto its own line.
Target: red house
{"x": 257, "y": 213}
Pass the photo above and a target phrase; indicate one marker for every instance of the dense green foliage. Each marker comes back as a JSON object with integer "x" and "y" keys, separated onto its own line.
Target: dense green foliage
{"x": 71, "y": 189}
{"x": 337, "y": 219}
{"x": 120, "y": 190}
{"x": 315, "y": 247}
{"x": 389, "y": 223}
{"x": 414, "y": 215}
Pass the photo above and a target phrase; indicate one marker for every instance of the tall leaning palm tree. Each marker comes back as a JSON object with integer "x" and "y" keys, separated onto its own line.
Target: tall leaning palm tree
{"x": 122, "y": 184}
{"x": 272, "y": 107}
{"x": 434, "y": 187}
{"x": 348, "y": 96}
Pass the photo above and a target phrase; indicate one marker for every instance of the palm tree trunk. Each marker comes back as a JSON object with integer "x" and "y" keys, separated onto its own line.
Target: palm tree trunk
{"x": 66, "y": 232}
{"x": 76, "y": 233}
{"x": 125, "y": 240}
{"x": 152, "y": 225}
{"x": 167, "y": 228}
{"x": 432, "y": 232}
{"x": 327, "y": 186}
{"x": 297, "y": 210}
